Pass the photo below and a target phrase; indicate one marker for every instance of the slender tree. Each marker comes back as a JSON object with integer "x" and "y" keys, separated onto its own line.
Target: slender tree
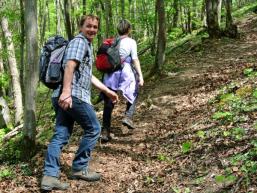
{"x": 176, "y": 13}
{"x": 108, "y": 18}
{"x": 22, "y": 47}
{"x": 29, "y": 130}
{"x": 58, "y": 17}
{"x": 122, "y": 2}
{"x": 231, "y": 28}
{"x": 84, "y": 4}
{"x": 67, "y": 19}
{"x": 160, "y": 52}
{"x": 14, "y": 72}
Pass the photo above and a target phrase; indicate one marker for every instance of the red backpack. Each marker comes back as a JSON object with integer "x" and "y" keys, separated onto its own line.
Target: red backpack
{"x": 108, "y": 56}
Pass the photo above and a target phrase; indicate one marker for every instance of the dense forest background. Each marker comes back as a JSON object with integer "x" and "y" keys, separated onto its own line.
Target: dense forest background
{"x": 161, "y": 29}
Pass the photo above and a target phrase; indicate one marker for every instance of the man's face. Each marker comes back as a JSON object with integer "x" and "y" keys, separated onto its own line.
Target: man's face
{"x": 90, "y": 28}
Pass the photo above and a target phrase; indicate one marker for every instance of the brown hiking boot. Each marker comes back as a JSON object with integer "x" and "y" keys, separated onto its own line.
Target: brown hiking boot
{"x": 49, "y": 183}
{"x": 86, "y": 175}
{"x": 105, "y": 135}
{"x": 128, "y": 122}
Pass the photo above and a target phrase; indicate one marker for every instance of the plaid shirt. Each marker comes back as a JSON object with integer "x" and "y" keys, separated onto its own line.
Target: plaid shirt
{"x": 80, "y": 50}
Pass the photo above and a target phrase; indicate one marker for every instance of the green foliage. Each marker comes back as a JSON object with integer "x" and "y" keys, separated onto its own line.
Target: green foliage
{"x": 179, "y": 190}
{"x": 12, "y": 151}
{"x": 4, "y": 80}
{"x": 25, "y": 169}
{"x": 250, "y": 72}
{"x": 246, "y": 161}
{"x": 186, "y": 147}
{"x": 149, "y": 180}
{"x": 245, "y": 9}
{"x": 3, "y": 131}
{"x": 226, "y": 116}
{"x": 6, "y": 173}
{"x": 225, "y": 179}
{"x": 164, "y": 158}
{"x": 45, "y": 135}
{"x": 174, "y": 34}
{"x": 238, "y": 133}
{"x": 201, "y": 134}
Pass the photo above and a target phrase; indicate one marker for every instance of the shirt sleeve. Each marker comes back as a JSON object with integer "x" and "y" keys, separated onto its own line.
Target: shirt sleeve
{"x": 76, "y": 50}
{"x": 134, "y": 50}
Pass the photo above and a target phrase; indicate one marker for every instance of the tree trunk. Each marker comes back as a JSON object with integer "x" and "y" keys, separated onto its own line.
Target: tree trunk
{"x": 48, "y": 16}
{"x": 203, "y": 14}
{"x": 84, "y": 5}
{"x": 154, "y": 41}
{"x": 160, "y": 53}
{"x": 231, "y": 29}
{"x": 99, "y": 8}
{"x": 189, "y": 21}
{"x": 2, "y": 89}
{"x": 22, "y": 48}
{"x": 212, "y": 18}
{"x": 67, "y": 19}
{"x": 58, "y": 17}
{"x": 29, "y": 129}
{"x": 14, "y": 72}
{"x": 122, "y": 2}
{"x": 1, "y": 59}
{"x": 108, "y": 18}
{"x": 175, "y": 16}
{"x": 5, "y": 119}
{"x": 43, "y": 29}
{"x": 219, "y": 11}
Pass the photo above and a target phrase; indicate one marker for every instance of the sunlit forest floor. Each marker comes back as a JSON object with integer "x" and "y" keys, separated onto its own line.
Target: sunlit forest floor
{"x": 166, "y": 152}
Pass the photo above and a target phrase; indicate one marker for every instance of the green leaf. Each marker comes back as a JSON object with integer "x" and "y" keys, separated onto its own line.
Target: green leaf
{"x": 186, "y": 147}
{"x": 255, "y": 93}
{"x": 248, "y": 71}
{"x": 226, "y": 133}
{"x": 220, "y": 179}
{"x": 222, "y": 115}
{"x": 201, "y": 134}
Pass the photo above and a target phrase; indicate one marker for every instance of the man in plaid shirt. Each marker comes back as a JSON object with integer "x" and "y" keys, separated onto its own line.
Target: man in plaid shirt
{"x": 74, "y": 104}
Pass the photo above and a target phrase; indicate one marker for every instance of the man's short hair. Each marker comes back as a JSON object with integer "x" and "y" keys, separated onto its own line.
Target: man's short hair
{"x": 85, "y": 17}
{"x": 123, "y": 27}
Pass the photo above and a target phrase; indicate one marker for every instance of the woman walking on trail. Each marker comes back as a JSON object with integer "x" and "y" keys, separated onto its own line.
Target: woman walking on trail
{"x": 127, "y": 80}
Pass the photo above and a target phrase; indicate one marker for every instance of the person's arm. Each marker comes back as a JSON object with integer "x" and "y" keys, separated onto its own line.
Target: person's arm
{"x": 100, "y": 86}
{"x": 138, "y": 69}
{"x": 65, "y": 100}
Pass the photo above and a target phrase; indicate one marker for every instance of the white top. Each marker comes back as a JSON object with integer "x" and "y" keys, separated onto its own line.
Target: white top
{"x": 128, "y": 46}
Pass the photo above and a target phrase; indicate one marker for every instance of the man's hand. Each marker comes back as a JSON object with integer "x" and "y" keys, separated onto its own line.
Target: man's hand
{"x": 65, "y": 101}
{"x": 112, "y": 95}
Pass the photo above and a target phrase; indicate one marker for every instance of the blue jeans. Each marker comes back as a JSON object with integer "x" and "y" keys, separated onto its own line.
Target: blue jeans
{"x": 108, "y": 108}
{"x": 85, "y": 116}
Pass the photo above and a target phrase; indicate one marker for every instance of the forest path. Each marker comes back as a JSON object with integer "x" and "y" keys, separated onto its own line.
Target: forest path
{"x": 169, "y": 113}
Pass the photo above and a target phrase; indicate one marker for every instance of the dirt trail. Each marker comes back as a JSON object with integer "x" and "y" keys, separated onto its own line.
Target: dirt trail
{"x": 169, "y": 112}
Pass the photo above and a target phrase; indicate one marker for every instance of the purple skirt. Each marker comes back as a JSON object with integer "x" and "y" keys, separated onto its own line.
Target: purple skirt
{"x": 123, "y": 80}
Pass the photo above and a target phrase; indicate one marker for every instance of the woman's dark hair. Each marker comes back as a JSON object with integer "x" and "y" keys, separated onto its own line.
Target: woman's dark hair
{"x": 85, "y": 17}
{"x": 123, "y": 27}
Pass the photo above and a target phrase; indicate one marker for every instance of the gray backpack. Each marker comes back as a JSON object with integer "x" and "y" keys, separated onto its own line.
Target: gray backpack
{"x": 50, "y": 62}
{"x": 51, "y": 58}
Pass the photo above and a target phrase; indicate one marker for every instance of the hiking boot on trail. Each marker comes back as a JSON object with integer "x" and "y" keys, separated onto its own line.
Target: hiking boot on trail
{"x": 128, "y": 122}
{"x": 86, "y": 175}
{"x": 52, "y": 183}
{"x": 105, "y": 135}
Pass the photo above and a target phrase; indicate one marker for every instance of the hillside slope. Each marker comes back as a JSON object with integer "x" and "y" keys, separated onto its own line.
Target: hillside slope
{"x": 170, "y": 112}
